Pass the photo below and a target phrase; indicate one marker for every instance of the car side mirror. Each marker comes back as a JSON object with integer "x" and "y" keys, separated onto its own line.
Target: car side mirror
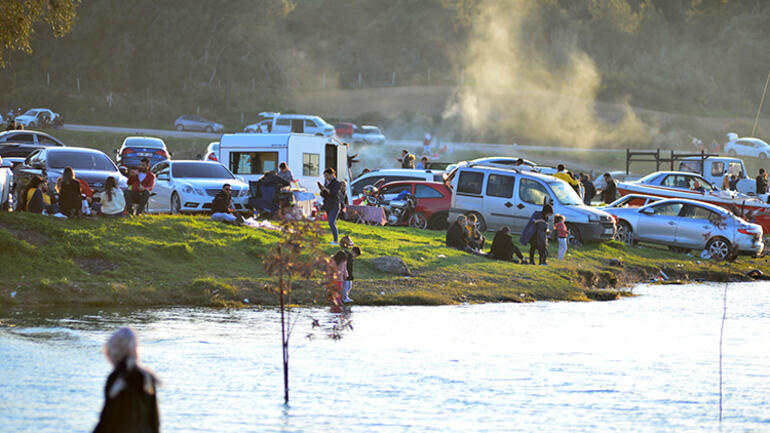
{"x": 164, "y": 176}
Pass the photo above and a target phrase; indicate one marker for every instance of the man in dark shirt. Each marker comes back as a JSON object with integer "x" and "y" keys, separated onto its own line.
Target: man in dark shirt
{"x": 589, "y": 190}
{"x": 762, "y": 182}
{"x": 503, "y": 247}
{"x": 222, "y": 207}
{"x": 610, "y": 191}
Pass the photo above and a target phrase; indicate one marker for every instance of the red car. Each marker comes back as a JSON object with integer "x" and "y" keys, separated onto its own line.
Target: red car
{"x": 433, "y": 199}
{"x": 344, "y": 129}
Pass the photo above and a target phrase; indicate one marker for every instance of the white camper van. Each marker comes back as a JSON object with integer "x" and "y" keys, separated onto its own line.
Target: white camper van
{"x": 249, "y": 156}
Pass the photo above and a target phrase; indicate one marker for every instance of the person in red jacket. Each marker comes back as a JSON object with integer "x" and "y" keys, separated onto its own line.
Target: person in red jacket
{"x": 140, "y": 184}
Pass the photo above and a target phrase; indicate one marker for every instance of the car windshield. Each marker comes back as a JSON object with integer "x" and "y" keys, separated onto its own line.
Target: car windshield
{"x": 371, "y": 130}
{"x": 565, "y": 194}
{"x": 31, "y": 113}
{"x": 200, "y": 170}
{"x": 81, "y": 161}
{"x": 319, "y": 121}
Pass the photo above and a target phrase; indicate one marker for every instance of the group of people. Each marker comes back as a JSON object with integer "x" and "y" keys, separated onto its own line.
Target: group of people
{"x": 13, "y": 126}
{"x": 585, "y": 188}
{"x": 464, "y": 235}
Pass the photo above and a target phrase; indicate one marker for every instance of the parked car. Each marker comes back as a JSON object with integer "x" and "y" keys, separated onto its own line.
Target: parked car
{"x": 631, "y": 200}
{"x": 508, "y": 197}
{"x": 344, "y": 129}
{"x": 617, "y": 175}
{"x": 134, "y": 149}
{"x": 298, "y": 123}
{"x": 197, "y": 123}
{"x": 368, "y": 134}
{"x": 91, "y": 165}
{"x": 714, "y": 168}
{"x": 190, "y": 186}
{"x": 39, "y": 117}
{"x": 263, "y": 126}
{"x": 26, "y": 136}
{"x": 211, "y": 153}
{"x": 392, "y": 175}
{"x": 6, "y": 176}
{"x": 683, "y": 225}
{"x": 746, "y": 146}
{"x": 433, "y": 201}
{"x": 505, "y": 162}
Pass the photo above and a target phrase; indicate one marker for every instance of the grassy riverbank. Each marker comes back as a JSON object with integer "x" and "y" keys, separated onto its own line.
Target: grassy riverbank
{"x": 189, "y": 260}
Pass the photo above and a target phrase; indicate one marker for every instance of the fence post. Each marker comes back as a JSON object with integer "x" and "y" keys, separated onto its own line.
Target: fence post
{"x": 359, "y": 80}
{"x": 109, "y": 101}
{"x": 428, "y": 75}
{"x": 198, "y": 110}
{"x": 393, "y": 80}
{"x": 241, "y": 117}
{"x": 48, "y": 78}
{"x": 253, "y": 86}
{"x": 323, "y": 81}
{"x": 78, "y": 80}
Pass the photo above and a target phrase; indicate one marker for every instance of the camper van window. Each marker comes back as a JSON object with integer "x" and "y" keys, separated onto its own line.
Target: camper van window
{"x": 470, "y": 182}
{"x": 717, "y": 168}
{"x": 500, "y": 186}
{"x": 735, "y": 168}
{"x": 253, "y": 162}
{"x": 310, "y": 124}
{"x": 310, "y": 164}
{"x": 533, "y": 192}
{"x": 283, "y": 122}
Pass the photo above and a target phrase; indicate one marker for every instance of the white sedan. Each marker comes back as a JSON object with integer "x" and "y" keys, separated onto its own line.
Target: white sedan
{"x": 746, "y": 146}
{"x": 190, "y": 186}
{"x": 38, "y": 117}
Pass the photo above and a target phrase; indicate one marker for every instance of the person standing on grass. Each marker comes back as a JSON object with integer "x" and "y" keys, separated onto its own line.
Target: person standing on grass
{"x": 130, "y": 402}
{"x": 407, "y": 159}
{"x": 330, "y": 191}
{"x": 610, "y": 191}
{"x": 423, "y": 164}
{"x": 340, "y": 263}
{"x": 530, "y": 232}
{"x": 762, "y": 182}
{"x": 140, "y": 183}
{"x": 285, "y": 173}
{"x": 588, "y": 188}
{"x": 347, "y": 284}
{"x": 561, "y": 234}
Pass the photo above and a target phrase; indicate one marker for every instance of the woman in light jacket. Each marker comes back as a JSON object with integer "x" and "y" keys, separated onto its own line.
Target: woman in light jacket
{"x": 112, "y": 199}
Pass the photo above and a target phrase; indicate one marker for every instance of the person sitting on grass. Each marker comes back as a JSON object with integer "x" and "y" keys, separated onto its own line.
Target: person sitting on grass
{"x": 38, "y": 199}
{"x": 529, "y": 234}
{"x": 477, "y": 240}
{"x": 561, "y": 234}
{"x": 113, "y": 203}
{"x": 222, "y": 207}
{"x": 458, "y": 236}
{"x": 347, "y": 284}
{"x": 70, "y": 200}
{"x": 503, "y": 247}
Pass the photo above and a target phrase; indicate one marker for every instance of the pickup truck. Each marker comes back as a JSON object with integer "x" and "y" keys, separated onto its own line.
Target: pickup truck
{"x": 714, "y": 168}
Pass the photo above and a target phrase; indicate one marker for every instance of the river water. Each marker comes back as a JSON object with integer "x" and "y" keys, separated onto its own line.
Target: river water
{"x": 644, "y": 364}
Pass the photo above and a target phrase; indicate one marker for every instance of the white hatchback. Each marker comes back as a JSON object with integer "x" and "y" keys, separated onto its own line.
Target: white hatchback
{"x": 746, "y": 146}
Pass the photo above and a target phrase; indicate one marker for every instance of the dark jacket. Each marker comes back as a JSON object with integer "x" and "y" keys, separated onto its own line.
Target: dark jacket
{"x": 349, "y": 260}
{"x": 541, "y": 234}
{"x": 222, "y": 203}
{"x": 529, "y": 230}
{"x": 457, "y": 236}
{"x": 331, "y": 195}
{"x": 761, "y": 185}
{"x": 36, "y": 203}
{"x": 589, "y": 191}
{"x": 610, "y": 192}
{"x": 503, "y": 247}
{"x": 130, "y": 404}
{"x": 70, "y": 200}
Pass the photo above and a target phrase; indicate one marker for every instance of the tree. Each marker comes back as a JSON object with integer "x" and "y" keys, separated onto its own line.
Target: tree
{"x": 19, "y": 17}
{"x": 297, "y": 256}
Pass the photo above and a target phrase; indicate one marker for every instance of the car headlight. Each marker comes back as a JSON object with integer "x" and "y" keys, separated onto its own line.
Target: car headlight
{"x": 187, "y": 189}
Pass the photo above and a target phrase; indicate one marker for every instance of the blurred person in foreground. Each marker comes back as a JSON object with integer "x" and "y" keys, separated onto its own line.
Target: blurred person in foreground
{"x": 130, "y": 402}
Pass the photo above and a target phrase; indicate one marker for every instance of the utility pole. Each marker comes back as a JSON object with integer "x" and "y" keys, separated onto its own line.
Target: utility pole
{"x": 761, "y": 101}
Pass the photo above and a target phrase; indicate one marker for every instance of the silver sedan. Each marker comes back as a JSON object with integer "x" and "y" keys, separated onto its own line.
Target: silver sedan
{"x": 683, "y": 225}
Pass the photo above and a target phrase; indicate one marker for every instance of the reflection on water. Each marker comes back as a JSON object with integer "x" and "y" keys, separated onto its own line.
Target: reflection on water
{"x": 643, "y": 364}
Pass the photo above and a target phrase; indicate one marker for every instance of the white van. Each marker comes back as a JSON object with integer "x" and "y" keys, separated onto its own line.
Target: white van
{"x": 249, "y": 156}
{"x": 507, "y": 197}
{"x": 277, "y": 123}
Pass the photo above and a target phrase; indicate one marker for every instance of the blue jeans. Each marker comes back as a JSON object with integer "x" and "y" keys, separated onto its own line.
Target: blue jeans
{"x": 332, "y": 215}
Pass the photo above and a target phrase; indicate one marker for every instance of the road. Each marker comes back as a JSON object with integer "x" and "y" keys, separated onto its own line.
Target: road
{"x": 140, "y": 131}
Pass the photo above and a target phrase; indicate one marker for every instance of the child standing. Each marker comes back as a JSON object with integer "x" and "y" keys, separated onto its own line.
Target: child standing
{"x": 348, "y": 283}
{"x": 561, "y": 233}
{"x": 541, "y": 240}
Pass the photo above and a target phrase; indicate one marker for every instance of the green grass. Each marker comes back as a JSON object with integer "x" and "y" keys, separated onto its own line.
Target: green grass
{"x": 189, "y": 260}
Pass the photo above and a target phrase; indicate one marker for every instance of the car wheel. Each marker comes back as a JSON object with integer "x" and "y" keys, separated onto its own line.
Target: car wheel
{"x": 418, "y": 220}
{"x": 180, "y": 127}
{"x": 718, "y": 248}
{"x": 209, "y": 129}
{"x": 762, "y": 156}
{"x": 481, "y": 225}
{"x": 624, "y": 233}
{"x": 438, "y": 221}
{"x": 176, "y": 205}
{"x": 731, "y": 152}
{"x": 573, "y": 235}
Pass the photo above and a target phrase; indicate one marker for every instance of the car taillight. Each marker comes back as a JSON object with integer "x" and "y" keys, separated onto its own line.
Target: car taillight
{"x": 748, "y": 232}
{"x": 212, "y": 157}
{"x": 128, "y": 150}
{"x": 161, "y": 153}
